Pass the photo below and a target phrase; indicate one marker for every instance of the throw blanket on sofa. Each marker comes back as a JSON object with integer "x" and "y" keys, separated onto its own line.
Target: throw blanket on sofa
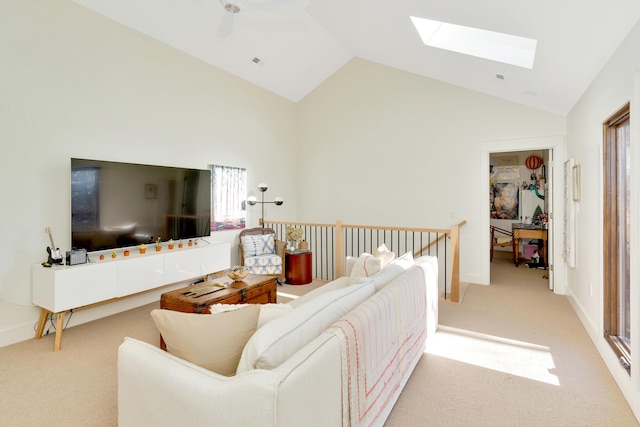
{"x": 382, "y": 340}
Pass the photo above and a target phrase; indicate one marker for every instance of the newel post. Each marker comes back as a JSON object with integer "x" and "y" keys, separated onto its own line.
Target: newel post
{"x": 339, "y": 261}
{"x": 455, "y": 262}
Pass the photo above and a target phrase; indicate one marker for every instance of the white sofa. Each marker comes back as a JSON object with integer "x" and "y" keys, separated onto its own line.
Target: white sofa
{"x": 340, "y": 357}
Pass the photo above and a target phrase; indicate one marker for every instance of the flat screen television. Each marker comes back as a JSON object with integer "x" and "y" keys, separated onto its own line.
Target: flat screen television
{"x": 115, "y": 205}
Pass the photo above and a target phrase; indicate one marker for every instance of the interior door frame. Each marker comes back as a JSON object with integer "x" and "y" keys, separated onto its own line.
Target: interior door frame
{"x": 556, "y": 145}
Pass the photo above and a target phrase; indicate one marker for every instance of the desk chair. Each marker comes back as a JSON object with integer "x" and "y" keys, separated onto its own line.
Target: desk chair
{"x": 503, "y": 238}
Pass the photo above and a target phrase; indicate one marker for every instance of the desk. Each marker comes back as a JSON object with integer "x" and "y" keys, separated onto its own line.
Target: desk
{"x": 528, "y": 231}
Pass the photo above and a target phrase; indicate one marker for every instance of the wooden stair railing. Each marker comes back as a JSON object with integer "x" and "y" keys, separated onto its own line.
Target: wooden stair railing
{"x": 332, "y": 243}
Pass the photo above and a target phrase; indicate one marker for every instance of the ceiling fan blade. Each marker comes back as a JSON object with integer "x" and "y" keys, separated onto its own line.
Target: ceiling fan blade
{"x": 275, "y": 5}
{"x": 226, "y": 25}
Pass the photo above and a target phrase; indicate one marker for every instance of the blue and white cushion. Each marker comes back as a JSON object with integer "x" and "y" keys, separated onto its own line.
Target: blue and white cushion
{"x": 264, "y": 264}
{"x": 258, "y": 244}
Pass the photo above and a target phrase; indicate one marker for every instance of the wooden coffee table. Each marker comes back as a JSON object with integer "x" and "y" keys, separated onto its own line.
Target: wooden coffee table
{"x": 253, "y": 289}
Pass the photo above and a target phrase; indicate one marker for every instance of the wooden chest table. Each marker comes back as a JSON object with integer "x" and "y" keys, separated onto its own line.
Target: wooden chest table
{"x": 254, "y": 289}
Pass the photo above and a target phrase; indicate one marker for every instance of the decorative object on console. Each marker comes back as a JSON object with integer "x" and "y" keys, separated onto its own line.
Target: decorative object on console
{"x": 170, "y": 244}
{"x": 251, "y": 200}
{"x": 54, "y": 252}
{"x": 76, "y": 256}
{"x": 143, "y": 248}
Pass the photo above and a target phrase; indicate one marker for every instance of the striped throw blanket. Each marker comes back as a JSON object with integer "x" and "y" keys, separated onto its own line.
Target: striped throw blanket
{"x": 382, "y": 340}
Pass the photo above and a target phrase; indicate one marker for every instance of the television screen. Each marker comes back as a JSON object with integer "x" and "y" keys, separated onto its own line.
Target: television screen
{"x": 116, "y": 204}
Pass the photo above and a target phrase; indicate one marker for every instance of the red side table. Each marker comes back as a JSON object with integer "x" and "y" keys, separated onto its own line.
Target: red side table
{"x": 297, "y": 269}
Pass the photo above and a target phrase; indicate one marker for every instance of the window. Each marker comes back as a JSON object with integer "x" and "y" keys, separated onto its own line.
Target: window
{"x": 616, "y": 227}
{"x": 228, "y": 191}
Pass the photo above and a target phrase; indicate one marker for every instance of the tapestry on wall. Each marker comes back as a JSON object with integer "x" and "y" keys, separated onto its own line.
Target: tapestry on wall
{"x": 569, "y": 241}
{"x": 228, "y": 191}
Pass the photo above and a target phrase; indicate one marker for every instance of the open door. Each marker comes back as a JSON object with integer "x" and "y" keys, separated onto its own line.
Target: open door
{"x": 554, "y": 162}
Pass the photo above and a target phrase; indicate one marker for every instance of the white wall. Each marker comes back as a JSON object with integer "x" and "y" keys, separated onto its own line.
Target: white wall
{"x": 611, "y": 90}
{"x": 75, "y": 84}
{"x": 379, "y": 146}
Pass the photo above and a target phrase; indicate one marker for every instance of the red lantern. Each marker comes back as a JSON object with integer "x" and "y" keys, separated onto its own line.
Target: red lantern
{"x": 533, "y": 162}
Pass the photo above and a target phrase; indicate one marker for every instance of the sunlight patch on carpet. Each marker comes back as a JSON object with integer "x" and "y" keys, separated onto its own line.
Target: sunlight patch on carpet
{"x": 512, "y": 357}
{"x": 285, "y": 295}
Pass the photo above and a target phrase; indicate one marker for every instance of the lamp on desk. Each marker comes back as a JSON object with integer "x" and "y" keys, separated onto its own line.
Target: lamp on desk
{"x": 251, "y": 200}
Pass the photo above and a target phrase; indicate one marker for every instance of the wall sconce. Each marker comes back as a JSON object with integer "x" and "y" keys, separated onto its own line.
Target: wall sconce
{"x": 251, "y": 200}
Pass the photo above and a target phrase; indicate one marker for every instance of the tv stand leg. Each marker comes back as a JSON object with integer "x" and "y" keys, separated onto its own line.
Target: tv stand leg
{"x": 59, "y": 326}
{"x": 42, "y": 321}
{"x": 44, "y": 313}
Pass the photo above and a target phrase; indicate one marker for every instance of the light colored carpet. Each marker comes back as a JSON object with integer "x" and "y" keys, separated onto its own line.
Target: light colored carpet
{"x": 512, "y": 353}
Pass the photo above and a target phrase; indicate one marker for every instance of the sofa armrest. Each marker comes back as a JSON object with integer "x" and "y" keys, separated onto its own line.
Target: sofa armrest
{"x": 157, "y": 388}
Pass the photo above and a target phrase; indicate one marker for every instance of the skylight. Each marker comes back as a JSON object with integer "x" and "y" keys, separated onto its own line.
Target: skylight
{"x": 505, "y": 48}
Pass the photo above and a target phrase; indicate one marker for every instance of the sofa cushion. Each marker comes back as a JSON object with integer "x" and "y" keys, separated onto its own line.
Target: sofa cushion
{"x": 394, "y": 269}
{"x": 276, "y": 341}
{"x": 339, "y": 283}
{"x": 405, "y": 261}
{"x": 268, "y": 312}
{"x": 258, "y": 244}
{"x": 366, "y": 266}
{"x": 214, "y": 342}
{"x": 384, "y": 255}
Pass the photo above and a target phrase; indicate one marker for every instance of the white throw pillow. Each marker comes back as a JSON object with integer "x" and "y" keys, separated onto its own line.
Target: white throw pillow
{"x": 339, "y": 283}
{"x": 405, "y": 261}
{"x": 384, "y": 254}
{"x": 214, "y": 342}
{"x": 276, "y": 341}
{"x": 268, "y": 312}
{"x": 366, "y": 266}
{"x": 258, "y": 244}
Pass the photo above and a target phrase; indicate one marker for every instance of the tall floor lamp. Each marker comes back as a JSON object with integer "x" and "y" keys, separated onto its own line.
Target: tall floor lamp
{"x": 252, "y": 200}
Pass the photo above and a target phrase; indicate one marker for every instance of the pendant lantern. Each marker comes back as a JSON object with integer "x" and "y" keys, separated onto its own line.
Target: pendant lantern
{"x": 532, "y": 163}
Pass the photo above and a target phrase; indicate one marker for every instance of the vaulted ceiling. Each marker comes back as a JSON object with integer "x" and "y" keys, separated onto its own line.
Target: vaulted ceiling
{"x": 291, "y": 50}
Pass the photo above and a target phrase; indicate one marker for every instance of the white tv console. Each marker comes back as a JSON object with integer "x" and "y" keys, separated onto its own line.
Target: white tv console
{"x": 59, "y": 289}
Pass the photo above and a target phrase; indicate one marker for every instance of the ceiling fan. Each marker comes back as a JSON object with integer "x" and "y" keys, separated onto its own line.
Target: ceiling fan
{"x": 234, "y": 7}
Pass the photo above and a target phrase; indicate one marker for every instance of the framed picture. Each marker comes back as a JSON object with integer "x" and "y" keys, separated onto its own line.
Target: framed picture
{"x": 150, "y": 191}
{"x": 505, "y": 201}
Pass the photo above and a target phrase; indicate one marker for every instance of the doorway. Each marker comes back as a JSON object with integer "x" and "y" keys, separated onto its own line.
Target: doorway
{"x": 551, "y": 150}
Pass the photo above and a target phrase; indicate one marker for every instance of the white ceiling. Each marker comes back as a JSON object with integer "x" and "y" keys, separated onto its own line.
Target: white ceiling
{"x": 300, "y": 49}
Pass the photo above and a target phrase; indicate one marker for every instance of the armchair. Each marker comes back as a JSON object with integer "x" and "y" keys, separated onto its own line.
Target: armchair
{"x": 261, "y": 252}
